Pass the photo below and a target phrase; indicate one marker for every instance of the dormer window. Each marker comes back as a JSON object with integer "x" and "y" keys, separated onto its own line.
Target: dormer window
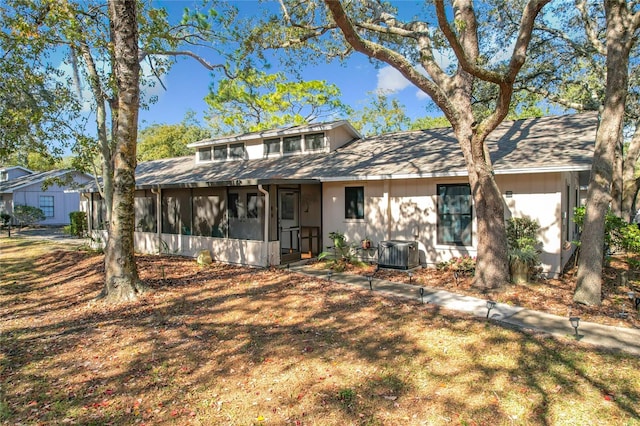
{"x": 271, "y": 147}
{"x": 314, "y": 141}
{"x": 204, "y": 154}
{"x": 291, "y": 144}
{"x": 234, "y": 151}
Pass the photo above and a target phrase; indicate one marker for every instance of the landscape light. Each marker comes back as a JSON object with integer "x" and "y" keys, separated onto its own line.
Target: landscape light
{"x": 422, "y": 295}
{"x": 490, "y": 305}
{"x": 575, "y": 322}
{"x": 329, "y": 274}
{"x": 410, "y": 276}
{"x": 370, "y": 278}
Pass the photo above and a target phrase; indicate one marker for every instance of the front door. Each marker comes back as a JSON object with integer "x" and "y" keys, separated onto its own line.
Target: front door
{"x": 289, "y": 224}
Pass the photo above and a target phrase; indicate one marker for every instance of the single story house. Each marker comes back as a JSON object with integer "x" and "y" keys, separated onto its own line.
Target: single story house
{"x": 271, "y": 197}
{"x": 59, "y": 197}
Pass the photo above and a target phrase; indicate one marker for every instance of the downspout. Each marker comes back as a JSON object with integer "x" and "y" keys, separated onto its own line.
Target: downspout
{"x": 267, "y": 209}
{"x": 158, "y": 193}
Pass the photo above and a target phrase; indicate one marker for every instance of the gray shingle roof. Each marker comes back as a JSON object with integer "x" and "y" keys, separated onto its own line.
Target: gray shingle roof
{"x": 12, "y": 185}
{"x": 559, "y": 143}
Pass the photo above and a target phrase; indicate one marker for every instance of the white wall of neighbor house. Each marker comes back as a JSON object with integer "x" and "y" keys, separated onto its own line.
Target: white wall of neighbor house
{"x": 407, "y": 209}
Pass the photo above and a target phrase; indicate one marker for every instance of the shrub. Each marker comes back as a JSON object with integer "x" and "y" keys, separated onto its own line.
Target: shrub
{"x": 28, "y": 215}
{"x": 617, "y": 232}
{"x": 78, "y": 224}
{"x": 4, "y": 219}
{"x": 522, "y": 239}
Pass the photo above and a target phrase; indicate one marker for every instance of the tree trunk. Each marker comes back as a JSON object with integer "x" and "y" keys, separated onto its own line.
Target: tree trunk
{"x": 589, "y": 282}
{"x": 630, "y": 183}
{"x": 121, "y": 280}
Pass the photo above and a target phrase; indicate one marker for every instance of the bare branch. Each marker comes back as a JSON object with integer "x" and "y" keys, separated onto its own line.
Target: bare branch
{"x": 203, "y": 62}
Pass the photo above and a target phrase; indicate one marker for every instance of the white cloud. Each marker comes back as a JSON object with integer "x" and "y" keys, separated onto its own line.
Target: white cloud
{"x": 391, "y": 81}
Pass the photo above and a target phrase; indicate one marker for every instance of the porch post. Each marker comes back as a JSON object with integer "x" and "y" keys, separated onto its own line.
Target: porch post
{"x": 265, "y": 249}
{"x": 158, "y": 192}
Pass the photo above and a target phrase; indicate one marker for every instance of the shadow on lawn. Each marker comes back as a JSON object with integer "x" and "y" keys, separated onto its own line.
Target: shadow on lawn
{"x": 227, "y": 345}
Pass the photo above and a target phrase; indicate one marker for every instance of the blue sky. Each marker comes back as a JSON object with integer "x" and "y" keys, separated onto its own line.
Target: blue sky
{"x": 188, "y": 82}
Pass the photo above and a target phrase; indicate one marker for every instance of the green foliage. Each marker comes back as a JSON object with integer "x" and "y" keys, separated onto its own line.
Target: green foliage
{"x": 4, "y": 219}
{"x": 617, "y": 232}
{"x": 522, "y": 238}
{"x": 28, "y": 215}
{"x": 78, "y": 224}
{"x": 425, "y": 123}
{"x": 169, "y": 140}
{"x": 255, "y": 100}
{"x": 380, "y": 115}
{"x": 341, "y": 254}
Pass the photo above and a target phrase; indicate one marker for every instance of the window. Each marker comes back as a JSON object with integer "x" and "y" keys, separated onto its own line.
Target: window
{"x": 46, "y": 205}
{"x": 271, "y": 146}
{"x": 220, "y": 152}
{"x": 204, "y": 154}
{"x": 314, "y": 141}
{"x": 354, "y": 202}
{"x": 236, "y": 151}
{"x": 4, "y": 176}
{"x": 454, "y": 214}
{"x": 291, "y": 144}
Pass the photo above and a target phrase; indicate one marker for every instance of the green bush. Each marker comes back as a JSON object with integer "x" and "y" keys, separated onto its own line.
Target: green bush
{"x": 4, "y": 219}
{"x": 28, "y": 215}
{"x": 617, "y": 232}
{"x": 522, "y": 239}
{"x": 78, "y": 224}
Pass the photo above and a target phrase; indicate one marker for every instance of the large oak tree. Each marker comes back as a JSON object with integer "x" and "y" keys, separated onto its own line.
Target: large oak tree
{"x": 414, "y": 47}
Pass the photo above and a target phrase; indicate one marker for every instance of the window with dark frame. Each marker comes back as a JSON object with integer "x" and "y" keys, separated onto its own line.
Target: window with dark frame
{"x": 220, "y": 152}
{"x": 204, "y": 154}
{"x": 236, "y": 151}
{"x": 272, "y": 146}
{"x": 354, "y": 202}
{"x": 454, "y": 214}
{"x": 292, "y": 144}
{"x": 314, "y": 141}
{"x": 46, "y": 205}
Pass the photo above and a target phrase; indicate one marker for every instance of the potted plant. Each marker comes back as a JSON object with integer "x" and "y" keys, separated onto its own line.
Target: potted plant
{"x": 366, "y": 243}
{"x": 524, "y": 248}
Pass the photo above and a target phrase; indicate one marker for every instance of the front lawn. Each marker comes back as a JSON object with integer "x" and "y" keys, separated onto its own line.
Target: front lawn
{"x": 238, "y": 346}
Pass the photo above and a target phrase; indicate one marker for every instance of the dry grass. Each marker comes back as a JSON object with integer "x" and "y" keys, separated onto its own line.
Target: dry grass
{"x": 230, "y": 345}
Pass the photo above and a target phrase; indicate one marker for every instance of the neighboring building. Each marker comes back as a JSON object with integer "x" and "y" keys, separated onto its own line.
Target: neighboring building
{"x": 24, "y": 187}
{"x": 267, "y": 198}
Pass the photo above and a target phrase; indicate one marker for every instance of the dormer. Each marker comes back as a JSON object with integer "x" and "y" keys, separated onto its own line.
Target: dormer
{"x": 291, "y": 141}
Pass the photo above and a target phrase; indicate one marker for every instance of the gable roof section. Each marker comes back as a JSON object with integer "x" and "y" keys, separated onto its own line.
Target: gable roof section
{"x": 274, "y": 133}
{"x": 547, "y": 144}
{"x": 18, "y": 183}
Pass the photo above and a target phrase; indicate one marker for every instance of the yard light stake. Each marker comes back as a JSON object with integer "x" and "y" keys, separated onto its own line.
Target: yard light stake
{"x": 575, "y": 322}
{"x": 329, "y": 274}
{"x": 410, "y": 276}
{"x": 370, "y": 278}
{"x": 490, "y": 305}
{"x": 422, "y": 295}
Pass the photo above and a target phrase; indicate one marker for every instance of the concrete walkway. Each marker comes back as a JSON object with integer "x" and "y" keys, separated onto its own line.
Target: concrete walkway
{"x": 611, "y": 337}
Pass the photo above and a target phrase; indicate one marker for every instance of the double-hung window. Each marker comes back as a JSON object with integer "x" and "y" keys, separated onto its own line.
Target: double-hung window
{"x": 46, "y": 205}
{"x": 291, "y": 144}
{"x": 454, "y": 214}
